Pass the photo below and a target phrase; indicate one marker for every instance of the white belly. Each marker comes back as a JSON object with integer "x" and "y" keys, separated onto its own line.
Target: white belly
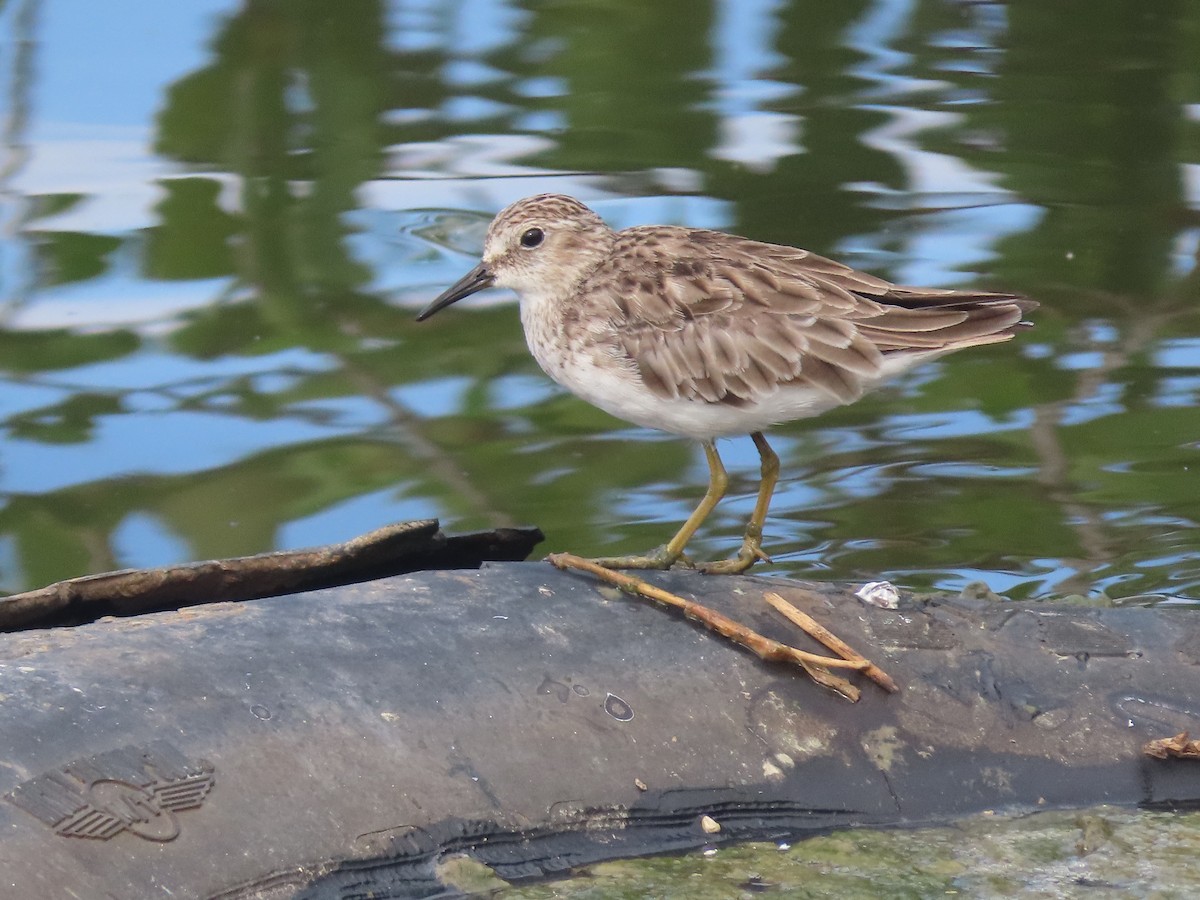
{"x": 614, "y": 386}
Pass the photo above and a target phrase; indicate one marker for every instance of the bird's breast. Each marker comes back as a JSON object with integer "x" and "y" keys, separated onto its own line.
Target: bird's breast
{"x": 568, "y": 344}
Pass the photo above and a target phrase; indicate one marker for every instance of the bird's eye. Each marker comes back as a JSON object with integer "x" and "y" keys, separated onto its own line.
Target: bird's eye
{"x": 532, "y": 237}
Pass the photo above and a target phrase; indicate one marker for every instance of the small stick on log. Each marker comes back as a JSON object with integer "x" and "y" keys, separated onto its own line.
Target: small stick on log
{"x": 819, "y": 632}
{"x": 764, "y": 647}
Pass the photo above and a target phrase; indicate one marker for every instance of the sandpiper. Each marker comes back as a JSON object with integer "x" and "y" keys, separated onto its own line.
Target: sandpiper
{"x": 708, "y": 335}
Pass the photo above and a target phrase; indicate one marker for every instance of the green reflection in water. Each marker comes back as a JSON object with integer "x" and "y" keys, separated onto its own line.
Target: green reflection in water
{"x": 318, "y": 176}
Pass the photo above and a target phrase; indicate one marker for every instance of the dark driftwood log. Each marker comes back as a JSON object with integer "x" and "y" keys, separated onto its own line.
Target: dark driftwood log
{"x": 341, "y": 741}
{"x": 391, "y": 550}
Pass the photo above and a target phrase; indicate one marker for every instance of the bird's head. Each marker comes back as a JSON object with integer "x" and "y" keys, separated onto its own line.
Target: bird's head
{"x": 540, "y": 246}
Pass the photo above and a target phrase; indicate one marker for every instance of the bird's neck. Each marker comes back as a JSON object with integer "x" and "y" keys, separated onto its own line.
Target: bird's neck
{"x": 587, "y": 252}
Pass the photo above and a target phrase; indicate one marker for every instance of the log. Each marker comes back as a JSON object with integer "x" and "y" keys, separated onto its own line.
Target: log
{"x": 344, "y": 741}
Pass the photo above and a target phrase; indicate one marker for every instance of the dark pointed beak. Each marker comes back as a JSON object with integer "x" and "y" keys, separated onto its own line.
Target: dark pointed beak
{"x": 475, "y": 280}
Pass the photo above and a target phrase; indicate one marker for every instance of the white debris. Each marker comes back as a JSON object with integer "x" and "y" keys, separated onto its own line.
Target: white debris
{"x": 879, "y": 593}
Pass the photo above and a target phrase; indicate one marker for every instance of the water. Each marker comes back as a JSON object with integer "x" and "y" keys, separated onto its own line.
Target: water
{"x": 219, "y": 219}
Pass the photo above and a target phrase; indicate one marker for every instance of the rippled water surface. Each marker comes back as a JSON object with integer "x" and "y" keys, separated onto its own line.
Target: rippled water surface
{"x": 219, "y": 219}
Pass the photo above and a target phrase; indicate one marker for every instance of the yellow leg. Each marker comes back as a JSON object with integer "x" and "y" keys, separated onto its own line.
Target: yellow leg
{"x": 665, "y": 557}
{"x": 752, "y": 543}
{"x": 718, "y": 483}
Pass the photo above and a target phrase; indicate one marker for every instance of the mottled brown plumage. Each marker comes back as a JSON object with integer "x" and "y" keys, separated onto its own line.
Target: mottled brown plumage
{"x": 706, "y": 334}
{"x": 720, "y": 319}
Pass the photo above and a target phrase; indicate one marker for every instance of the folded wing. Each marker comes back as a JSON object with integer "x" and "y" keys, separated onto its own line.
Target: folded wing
{"x": 712, "y": 317}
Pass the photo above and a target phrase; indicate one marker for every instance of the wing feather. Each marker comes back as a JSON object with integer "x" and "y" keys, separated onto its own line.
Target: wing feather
{"x": 712, "y": 317}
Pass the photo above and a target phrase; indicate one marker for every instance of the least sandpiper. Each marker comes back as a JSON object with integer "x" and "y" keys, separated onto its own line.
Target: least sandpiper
{"x": 708, "y": 335}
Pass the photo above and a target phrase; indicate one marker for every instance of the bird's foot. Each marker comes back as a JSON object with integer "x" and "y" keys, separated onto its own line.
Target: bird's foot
{"x": 655, "y": 559}
{"x": 750, "y": 553}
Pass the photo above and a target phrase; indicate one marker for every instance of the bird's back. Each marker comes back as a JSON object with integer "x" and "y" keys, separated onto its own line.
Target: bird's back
{"x": 721, "y": 319}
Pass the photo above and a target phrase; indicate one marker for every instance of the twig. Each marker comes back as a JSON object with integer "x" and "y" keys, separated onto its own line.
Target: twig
{"x": 819, "y": 632}
{"x": 764, "y": 647}
{"x": 1179, "y": 747}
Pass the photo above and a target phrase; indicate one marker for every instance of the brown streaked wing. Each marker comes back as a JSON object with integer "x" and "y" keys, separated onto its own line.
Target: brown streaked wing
{"x": 713, "y": 317}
